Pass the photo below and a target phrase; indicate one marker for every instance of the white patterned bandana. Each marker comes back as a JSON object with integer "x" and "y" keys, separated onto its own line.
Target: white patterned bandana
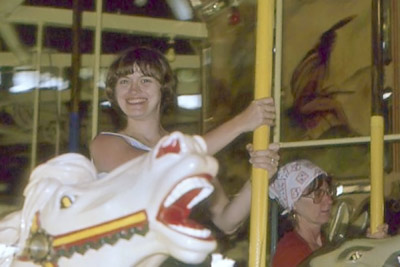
{"x": 291, "y": 181}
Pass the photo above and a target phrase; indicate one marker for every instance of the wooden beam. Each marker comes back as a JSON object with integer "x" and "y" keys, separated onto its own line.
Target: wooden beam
{"x": 137, "y": 25}
{"x": 64, "y": 60}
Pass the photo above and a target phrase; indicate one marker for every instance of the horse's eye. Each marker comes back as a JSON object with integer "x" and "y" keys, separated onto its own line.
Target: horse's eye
{"x": 355, "y": 256}
{"x": 173, "y": 147}
{"x": 66, "y": 202}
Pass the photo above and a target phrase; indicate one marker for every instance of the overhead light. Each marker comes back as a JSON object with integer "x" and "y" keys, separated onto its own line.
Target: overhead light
{"x": 85, "y": 73}
{"x": 196, "y": 3}
{"x": 24, "y": 81}
{"x": 189, "y": 101}
{"x": 212, "y": 8}
{"x": 387, "y": 93}
{"x": 339, "y": 190}
{"x": 181, "y": 9}
{"x": 101, "y": 84}
{"x": 170, "y": 54}
{"x": 27, "y": 80}
{"x": 140, "y": 3}
{"x": 106, "y": 104}
{"x": 188, "y": 75}
{"x": 49, "y": 81}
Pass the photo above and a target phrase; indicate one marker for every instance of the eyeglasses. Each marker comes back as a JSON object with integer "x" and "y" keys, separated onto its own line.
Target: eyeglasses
{"x": 318, "y": 194}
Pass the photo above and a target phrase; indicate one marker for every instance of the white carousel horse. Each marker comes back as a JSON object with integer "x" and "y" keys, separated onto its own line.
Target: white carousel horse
{"x": 137, "y": 215}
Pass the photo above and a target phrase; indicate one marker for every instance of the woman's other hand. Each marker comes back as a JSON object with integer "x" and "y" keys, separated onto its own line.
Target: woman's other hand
{"x": 265, "y": 159}
{"x": 381, "y": 232}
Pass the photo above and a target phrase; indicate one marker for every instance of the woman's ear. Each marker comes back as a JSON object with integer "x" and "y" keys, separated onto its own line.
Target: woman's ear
{"x": 293, "y": 216}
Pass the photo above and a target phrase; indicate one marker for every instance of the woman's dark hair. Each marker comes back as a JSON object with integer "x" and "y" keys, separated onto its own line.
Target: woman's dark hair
{"x": 151, "y": 63}
{"x": 317, "y": 184}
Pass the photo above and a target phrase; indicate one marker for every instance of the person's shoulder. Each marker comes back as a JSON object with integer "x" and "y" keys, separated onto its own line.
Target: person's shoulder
{"x": 293, "y": 245}
{"x": 101, "y": 138}
{"x": 292, "y": 239}
{"x": 108, "y": 141}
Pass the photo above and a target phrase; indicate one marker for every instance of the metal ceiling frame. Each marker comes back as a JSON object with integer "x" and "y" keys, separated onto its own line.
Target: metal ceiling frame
{"x": 132, "y": 25}
{"x": 111, "y": 22}
{"x": 135, "y": 25}
{"x": 57, "y": 59}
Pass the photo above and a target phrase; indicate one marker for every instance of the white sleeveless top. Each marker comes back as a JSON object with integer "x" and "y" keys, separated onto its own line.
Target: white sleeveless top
{"x": 130, "y": 140}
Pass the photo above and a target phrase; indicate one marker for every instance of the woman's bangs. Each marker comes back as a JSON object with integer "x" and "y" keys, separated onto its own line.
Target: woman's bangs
{"x": 150, "y": 69}
{"x": 316, "y": 184}
{"x": 124, "y": 69}
{"x": 146, "y": 68}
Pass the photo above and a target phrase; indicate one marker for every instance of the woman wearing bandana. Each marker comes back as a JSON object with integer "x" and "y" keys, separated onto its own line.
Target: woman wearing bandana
{"x": 305, "y": 191}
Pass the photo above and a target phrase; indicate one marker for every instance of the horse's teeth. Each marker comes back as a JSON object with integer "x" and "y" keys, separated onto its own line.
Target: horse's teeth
{"x": 200, "y": 233}
{"x": 184, "y": 187}
{"x": 205, "y": 192}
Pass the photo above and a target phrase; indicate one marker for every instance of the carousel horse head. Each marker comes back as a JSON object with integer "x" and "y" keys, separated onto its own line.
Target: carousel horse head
{"x": 358, "y": 252}
{"x": 137, "y": 215}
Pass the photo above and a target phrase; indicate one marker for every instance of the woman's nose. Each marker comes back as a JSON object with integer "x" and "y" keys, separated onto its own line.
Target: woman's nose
{"x": 134, "y": 86}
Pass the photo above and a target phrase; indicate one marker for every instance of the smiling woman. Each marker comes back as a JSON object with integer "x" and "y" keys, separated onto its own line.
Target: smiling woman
{"x": 140, "y": 85}
{"x": 145, "y": 67}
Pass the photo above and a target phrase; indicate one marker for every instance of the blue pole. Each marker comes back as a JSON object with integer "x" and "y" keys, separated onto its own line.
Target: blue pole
{"x": 75, "y": 82}
{"x": 74, "y": 131}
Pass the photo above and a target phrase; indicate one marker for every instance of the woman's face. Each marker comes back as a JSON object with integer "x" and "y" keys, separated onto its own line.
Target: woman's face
{"x": 315, "y": 213}
{"x": 138, "y": 95}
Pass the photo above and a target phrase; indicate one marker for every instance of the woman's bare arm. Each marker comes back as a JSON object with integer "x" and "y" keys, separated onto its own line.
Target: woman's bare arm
{"x": 229, "y": 214}
{"x": 259, "y": 112}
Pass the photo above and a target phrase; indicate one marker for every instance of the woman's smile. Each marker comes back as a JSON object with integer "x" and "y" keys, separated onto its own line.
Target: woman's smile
{"x": 135, "y": 101}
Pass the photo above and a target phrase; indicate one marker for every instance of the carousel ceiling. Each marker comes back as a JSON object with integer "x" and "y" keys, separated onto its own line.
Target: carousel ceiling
{"x": 43, "y": 27}
{"x": 36, "y": 59}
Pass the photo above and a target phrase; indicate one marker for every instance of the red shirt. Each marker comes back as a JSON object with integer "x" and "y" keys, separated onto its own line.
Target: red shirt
{"x": 291, "y": 250}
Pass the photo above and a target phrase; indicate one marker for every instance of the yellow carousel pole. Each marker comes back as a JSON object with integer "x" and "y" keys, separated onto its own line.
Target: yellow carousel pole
{"x": 263, "y": 82}
{"x": 96, "y": 67}
{"x": 377, "y": 121}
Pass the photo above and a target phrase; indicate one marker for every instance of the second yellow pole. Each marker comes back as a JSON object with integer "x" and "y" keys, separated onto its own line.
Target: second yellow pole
{"x": 263, "y": 83}
{"x": 376, "y": 150}
{"x": 377, "y": 120}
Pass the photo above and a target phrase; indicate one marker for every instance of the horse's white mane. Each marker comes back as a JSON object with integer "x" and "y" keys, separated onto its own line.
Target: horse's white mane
{"x": 65, "y": 170}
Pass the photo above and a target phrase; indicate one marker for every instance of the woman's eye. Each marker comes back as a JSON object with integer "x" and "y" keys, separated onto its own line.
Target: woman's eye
{"x": 146, "y": 80}
{"x": 123, "y": 81}
{"x": 318, "y": 192}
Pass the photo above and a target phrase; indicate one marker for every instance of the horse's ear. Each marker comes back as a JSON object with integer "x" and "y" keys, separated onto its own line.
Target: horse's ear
{"x": 169, "y": 145}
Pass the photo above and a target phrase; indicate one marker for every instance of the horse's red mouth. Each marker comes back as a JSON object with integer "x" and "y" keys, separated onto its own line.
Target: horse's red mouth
{"x": 178, "y": 204}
